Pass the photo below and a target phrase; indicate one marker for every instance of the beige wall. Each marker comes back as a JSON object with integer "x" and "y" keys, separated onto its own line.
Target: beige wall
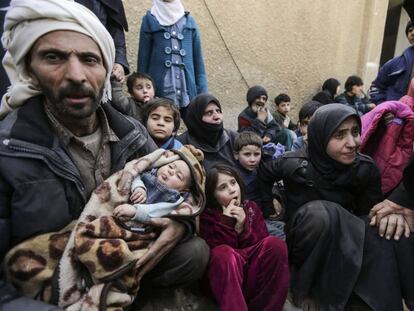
{"x": 287, "y": 46}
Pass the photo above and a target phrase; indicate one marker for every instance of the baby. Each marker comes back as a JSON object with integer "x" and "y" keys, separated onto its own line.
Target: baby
{"x": 159, "y": 191}
{"x": 162, "y": 190}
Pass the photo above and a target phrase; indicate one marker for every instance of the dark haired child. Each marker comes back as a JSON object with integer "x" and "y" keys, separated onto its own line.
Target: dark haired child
{"x": 282, "y": 109}
{"x": 305, "y": 114}
{"x": 248, "y": 269}
{"x": 140, "y": 87}
{"x": 162, "y": 119}
{"x": 354, "y": 96}
{"x": 248, "y": 154}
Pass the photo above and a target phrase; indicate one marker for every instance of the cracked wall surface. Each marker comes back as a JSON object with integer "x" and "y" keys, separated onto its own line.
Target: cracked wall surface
{"x": 288, "y": 46}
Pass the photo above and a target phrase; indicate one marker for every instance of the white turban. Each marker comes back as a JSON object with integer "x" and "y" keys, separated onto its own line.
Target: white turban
{"x": 28, "y": 20}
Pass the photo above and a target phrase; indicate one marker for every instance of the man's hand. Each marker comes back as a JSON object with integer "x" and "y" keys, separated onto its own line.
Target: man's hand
{"x": 118, "y": 72}
{"x": 171, "y": 233}
{"x": 393, "y": 225}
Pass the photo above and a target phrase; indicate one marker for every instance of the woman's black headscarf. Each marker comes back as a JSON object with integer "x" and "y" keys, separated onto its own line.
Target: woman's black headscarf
{"x": 321, "y": 127}
{"x": 208, "y": 133}
{"x": 331, "y": 85}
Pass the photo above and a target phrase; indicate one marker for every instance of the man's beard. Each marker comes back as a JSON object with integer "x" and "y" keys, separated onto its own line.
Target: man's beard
{"x": 255, "y": 108}
{"x": 55, "y": 101}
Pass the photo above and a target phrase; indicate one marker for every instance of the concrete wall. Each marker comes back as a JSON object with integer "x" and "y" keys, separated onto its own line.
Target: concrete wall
{"x": 286, "y": 46}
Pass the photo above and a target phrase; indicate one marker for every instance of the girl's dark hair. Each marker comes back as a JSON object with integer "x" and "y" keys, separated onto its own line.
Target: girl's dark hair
{"x": 351, "y": 81}
{"x": 331, "y": 85}
{"x": 135, "y": 76}
{"x": 161, "y": 102}
{"x": 211, "y": 183}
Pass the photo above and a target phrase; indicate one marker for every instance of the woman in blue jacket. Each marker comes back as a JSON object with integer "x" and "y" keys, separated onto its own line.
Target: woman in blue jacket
{"x": 170, "y": 52}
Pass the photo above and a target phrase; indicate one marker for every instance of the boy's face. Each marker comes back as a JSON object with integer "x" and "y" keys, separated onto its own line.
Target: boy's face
{"x": 249, "y": 157}
{"x": 283, "y": 108}
{"x": 175, "y": 175}
{"x": 160, "y": 124}
{"x": 143, "y": 90}
{"x": 357, "y": 90}
{"x": 303, "y": 126}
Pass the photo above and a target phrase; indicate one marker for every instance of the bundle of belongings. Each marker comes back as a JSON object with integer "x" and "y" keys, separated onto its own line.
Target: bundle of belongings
{"x": 91, "y": 264}
{"x": 390, "y": 142}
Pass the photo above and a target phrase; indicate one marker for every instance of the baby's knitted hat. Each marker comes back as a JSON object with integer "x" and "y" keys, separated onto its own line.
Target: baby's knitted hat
{"x": 193, "y": 157}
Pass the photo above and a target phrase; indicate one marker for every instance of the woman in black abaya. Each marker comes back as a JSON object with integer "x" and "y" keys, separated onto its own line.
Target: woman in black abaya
{"x": 329, "y": 189}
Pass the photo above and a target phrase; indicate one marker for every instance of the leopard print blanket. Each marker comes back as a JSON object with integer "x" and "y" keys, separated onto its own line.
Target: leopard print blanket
{"x": 90, "y": 264}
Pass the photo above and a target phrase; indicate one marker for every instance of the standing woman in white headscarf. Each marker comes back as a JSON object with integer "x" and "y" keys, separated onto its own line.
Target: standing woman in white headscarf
{"x": 170, "y": 52}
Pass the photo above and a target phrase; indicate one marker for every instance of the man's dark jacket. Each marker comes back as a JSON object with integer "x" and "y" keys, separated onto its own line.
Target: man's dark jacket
{"x": 40, "y": 187}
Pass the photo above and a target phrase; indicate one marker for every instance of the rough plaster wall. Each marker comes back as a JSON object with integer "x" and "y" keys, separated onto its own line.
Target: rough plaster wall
{"x": 286, "y": 46}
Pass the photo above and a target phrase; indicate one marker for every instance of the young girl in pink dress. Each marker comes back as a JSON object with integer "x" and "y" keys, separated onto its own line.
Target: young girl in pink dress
{"x": 248, "y": 269}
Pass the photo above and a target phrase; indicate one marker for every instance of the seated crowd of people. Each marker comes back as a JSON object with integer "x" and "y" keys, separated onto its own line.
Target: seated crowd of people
{"x": 102, "y": 197}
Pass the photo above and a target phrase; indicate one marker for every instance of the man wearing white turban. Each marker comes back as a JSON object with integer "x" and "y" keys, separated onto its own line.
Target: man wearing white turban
{"x": 25, "y": 23}
{"x": 59, "y": 138}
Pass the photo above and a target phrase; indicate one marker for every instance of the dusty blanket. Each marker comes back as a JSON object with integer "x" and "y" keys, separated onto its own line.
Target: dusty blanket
{"x": 90, "y": 264}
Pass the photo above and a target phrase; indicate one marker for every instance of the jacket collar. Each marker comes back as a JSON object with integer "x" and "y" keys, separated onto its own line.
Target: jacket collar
{"x": 154, "y": 26}
{"x": 32, "y": 124}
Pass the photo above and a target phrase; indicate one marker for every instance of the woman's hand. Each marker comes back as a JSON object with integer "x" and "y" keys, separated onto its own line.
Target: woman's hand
{"x": 392, "y": 225}
{"x": 388, "y": 207}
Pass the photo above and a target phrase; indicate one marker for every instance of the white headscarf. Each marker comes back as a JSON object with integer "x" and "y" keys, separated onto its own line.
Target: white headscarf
{"x": 167, "y": 13}
{"x": 28, "y": 20}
